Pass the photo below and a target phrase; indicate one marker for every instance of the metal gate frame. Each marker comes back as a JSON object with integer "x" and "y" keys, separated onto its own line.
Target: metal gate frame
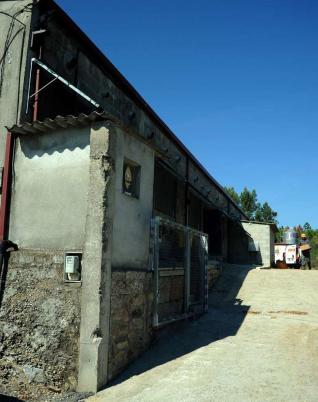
{"x": 189, "y": 308}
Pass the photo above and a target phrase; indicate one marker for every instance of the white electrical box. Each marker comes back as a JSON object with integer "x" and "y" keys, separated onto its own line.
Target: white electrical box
{"x": 71, "y": 264}
{"x": 72, "y": 267}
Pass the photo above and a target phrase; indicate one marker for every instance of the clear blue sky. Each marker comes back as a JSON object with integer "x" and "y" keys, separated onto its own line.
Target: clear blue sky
{"x": 236, "y": 80}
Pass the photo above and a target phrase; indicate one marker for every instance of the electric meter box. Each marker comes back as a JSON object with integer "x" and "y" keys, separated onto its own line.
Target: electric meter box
{"x": 72, "y": 267}
{"x": 71, "y": 264}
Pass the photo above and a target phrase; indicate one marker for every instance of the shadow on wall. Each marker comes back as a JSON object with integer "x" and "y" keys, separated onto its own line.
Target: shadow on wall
{"x": 239, "y": 245}
{"x": 226, "y": 315}
{"x": 54, "y": 141}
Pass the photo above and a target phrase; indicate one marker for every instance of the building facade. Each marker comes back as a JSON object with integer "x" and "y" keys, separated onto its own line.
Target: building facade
{"x": 116, "y": 221}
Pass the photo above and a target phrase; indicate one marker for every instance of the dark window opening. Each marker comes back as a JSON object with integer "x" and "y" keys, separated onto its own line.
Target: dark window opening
{"x": 57, "y": 99}
{"x": 195, "y": 211}
{"x": 165, "y": 191}
{"x": 213, "y": 222}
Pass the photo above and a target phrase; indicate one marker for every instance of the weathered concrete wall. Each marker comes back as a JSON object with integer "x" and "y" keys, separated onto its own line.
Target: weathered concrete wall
{"x": 39, "y": 326}
{"x": 261, "y": 233}
{"x": 11, "y": 89}
{"x": 49, "y": 198}
{"x": 96, "y": 272}
{"x": 131, "y": 317}
{"x": 132, "y": 215}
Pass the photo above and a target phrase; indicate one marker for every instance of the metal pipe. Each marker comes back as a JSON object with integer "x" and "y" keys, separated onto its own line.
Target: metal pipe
{"x": 6, "y": 187}
{"x": 41, "y": 89}
{"x": 61, "y": 79}
{"x": 37, "y": 87}
{"x": 36, "y": 98}
{"x": 5, "y": 247}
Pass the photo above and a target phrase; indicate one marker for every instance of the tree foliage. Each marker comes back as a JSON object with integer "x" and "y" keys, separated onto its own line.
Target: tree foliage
{"x": 249, "y": 202}
{"x": 233, "y": 194}
{"x": 253, "y": 209}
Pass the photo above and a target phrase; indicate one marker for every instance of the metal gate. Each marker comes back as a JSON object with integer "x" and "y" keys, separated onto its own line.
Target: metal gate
{"x": 179, "y": 260}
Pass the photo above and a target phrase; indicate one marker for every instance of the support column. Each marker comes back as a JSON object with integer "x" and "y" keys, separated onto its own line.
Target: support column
{"x": 96, "y": 275}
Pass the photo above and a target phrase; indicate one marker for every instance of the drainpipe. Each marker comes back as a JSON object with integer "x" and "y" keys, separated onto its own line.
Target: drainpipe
{"x": 6, "y": 187}
{"x": 5, "y": 247}
{"x": 37, "y": 87}
{"x": 5, "y": 244}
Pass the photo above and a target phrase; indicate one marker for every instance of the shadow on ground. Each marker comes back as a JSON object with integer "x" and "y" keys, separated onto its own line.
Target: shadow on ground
{"x": 5, "y": 398}
{"x": 226, "y": 315}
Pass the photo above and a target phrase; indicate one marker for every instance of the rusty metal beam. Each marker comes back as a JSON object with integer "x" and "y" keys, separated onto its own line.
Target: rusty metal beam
{"x": 6, "y": 188}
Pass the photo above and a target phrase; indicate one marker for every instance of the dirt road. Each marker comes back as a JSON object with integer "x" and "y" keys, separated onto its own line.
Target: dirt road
{"x": 259, "y": 342}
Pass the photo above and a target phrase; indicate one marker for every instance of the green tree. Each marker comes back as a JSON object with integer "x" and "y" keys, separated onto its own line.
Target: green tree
{"x": 280, "y": 234}
{"x": 254, "y": 210}
{"x": 265, "y": 213}
{"x": 249, "y": 202}
{"x": 233, "y": 194}
{"x": 309, "y": 231}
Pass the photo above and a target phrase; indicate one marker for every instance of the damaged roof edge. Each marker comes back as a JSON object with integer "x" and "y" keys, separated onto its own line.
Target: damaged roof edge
{"x": 60, "y": 122}
{"x": 127, "y": 88}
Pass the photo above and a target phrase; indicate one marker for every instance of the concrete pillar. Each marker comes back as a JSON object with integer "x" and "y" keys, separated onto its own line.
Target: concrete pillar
{"x": 96, "y": 276}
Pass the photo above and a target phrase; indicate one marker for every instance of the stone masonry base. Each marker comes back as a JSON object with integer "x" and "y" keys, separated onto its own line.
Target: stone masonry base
{"x": 39, "y": 326}
{"x": 131, "y": 318}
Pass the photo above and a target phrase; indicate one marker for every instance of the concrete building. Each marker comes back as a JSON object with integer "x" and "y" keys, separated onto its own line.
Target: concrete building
{"x": 116, "y": 221}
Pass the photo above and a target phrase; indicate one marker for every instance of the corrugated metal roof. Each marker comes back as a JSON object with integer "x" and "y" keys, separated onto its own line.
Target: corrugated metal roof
{"x": 38, "y": 127}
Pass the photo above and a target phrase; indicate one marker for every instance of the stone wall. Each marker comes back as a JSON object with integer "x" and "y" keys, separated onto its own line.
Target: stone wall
{"x": 39, "y": 326}
{"x": 171, "y": 296}
{"x": 131, "y": 317}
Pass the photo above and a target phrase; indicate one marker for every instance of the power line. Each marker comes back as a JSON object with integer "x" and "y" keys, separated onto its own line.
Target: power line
{"x": 9, "y": 39}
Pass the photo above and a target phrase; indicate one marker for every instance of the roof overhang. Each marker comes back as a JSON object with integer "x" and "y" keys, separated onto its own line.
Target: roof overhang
{"x": 60, "y": 122}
